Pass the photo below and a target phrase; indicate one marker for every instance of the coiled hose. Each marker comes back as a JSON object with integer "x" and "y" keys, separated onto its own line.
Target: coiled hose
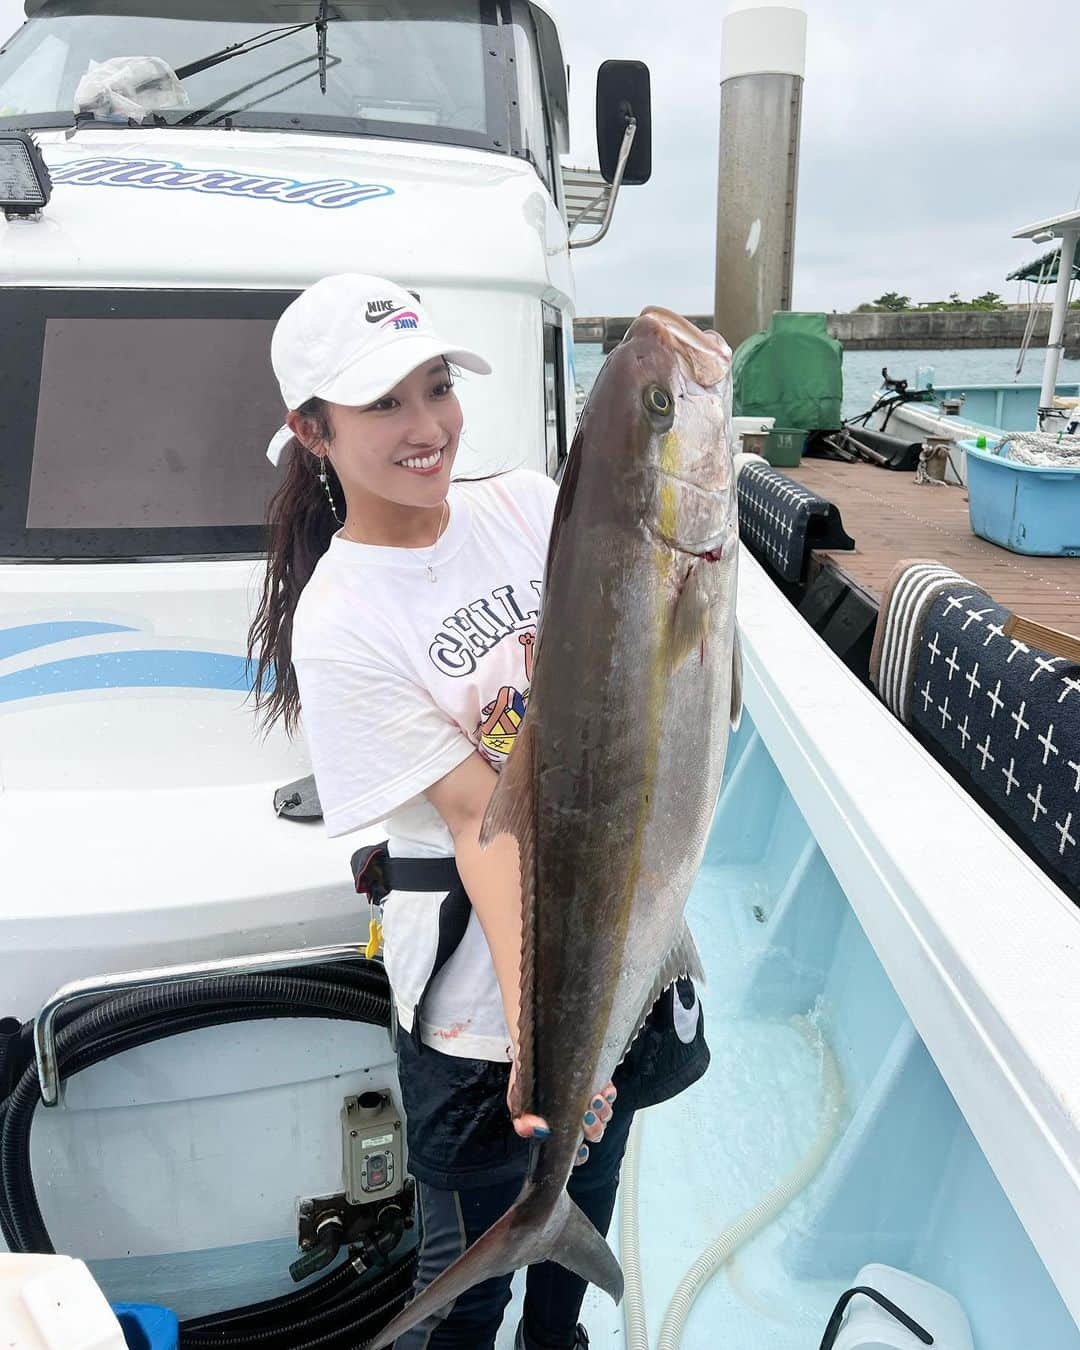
{"x": 339, "y": 1310}
{"x": 343, "y": 1310}
{"x": 735, "y": 1234}
{"x": 637, "y": 1334}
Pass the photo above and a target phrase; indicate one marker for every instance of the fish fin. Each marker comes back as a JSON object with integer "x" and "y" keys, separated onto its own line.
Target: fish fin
{"x": 690, "y": 625}
{"x": 682, "y": 959}
{"x": 736, "y": 682}
{"x": 581, "y": 1250}
{"x": 522, "y": 1237}
{"x": 510, "y": 811}
{"x": 686, "y": 954}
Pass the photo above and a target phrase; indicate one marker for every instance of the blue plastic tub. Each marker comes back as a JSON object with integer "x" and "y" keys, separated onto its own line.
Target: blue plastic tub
{"x": 147, "y": 1327}
{"x": 1022, "y": 507}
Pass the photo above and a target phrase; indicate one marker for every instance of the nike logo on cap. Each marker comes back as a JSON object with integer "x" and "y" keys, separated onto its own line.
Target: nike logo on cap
{"x": 378, "y": 310}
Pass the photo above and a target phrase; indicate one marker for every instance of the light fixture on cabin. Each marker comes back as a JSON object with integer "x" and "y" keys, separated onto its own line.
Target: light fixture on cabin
{"x": 25, "y": 185}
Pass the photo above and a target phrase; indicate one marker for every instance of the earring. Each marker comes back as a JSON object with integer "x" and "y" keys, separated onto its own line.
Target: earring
{"x": 326, "y": 488}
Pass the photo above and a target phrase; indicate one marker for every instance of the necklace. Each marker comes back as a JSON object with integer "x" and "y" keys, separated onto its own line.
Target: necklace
{"x": 428, "y": 565}
{"x": 438, "y": 535}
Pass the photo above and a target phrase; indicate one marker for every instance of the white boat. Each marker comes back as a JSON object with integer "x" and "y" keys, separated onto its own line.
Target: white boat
{"x": 933, "y": 1074}
{"x": 965, "y": 412}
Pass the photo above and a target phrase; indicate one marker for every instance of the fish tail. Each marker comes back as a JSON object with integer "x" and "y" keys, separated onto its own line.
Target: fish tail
{"x": 522, "y": 1237}
{"x": 579, "y": 1247}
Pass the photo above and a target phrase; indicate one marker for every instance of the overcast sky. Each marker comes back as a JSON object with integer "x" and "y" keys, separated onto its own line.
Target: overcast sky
{"x": 932, "y": 129}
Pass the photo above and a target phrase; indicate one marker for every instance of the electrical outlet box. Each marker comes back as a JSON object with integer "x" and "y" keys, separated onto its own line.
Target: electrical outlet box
{"x": 373, "y": 1147}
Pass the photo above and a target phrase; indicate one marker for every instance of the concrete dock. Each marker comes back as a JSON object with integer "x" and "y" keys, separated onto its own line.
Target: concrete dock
{"x": 930, "y": 329}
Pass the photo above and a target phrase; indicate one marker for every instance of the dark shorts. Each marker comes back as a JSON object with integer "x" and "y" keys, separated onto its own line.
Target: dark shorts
{"x": 458, "y": 1125}
{"x": 451, "y": 1221}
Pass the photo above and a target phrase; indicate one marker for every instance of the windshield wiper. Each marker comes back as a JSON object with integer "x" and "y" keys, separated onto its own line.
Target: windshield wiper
{"x": 253, "y": 44}
{"x": 194, "y": 118}
{"x": 320, "y": 29}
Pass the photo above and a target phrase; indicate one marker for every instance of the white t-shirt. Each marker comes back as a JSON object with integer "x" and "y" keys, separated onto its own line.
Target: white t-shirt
{"x": 400, "y": 680}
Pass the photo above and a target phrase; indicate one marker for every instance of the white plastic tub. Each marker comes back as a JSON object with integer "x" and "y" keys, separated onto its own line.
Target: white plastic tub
{"x": 752, "y": 426}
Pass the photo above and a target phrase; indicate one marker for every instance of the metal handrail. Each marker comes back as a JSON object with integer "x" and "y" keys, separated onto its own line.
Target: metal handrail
{"x": 97, "y": 985}
{"x": 620, "y": 169}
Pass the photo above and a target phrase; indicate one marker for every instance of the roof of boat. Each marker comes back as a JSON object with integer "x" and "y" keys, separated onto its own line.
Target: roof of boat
{"x": 1053, "y": 225}
{"x": 184, "y": 7}
{"x": 1045, "y": 267}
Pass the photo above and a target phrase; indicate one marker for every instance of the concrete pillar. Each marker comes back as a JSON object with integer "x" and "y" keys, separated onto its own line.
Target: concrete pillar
{"x": 762, "y": 60}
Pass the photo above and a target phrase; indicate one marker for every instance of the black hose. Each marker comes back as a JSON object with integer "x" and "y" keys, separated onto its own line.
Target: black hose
{"x": 351, "y": 1334}
{"x": 288, "y": 1327}
{"x": 338, "y": 1310}
{"x": 338, "y": 1283}
{"x": 7, "y": 1229}
{"x": 77, "y": 1047}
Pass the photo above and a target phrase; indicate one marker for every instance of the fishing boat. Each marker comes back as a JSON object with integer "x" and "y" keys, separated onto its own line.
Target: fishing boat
{"x": 197, "y": 1088}
{"x": 955, "y": 413}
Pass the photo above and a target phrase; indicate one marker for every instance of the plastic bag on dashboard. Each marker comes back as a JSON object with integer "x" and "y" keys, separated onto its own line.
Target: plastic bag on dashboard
{"x": 129, "y": 86}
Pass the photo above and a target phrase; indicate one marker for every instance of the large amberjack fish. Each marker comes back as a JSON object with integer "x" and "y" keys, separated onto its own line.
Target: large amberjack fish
{"x": 613, "y": 780}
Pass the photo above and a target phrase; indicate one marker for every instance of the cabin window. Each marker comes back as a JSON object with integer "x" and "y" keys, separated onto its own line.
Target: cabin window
{"x": 142, "y": 422}
{"x": 554, "y": 390}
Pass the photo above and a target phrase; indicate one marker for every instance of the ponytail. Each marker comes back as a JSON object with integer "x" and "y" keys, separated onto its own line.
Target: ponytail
{"x": 300, "y": 526}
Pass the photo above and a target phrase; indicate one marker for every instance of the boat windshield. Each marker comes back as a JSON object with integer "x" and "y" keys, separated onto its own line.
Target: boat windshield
{"x": 419, "y": 69}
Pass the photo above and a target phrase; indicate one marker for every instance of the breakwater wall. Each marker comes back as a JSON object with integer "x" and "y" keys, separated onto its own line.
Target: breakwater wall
{"x": 932, "y": 329}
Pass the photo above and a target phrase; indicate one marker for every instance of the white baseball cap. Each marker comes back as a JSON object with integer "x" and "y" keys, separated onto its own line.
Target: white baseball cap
{"x": 350, "y": 339}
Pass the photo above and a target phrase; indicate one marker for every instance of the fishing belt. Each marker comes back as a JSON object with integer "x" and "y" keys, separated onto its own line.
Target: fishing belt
{"x": 376, "y": 874}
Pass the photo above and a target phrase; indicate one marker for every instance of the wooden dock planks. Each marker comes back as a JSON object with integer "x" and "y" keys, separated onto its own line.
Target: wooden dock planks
{"x": 891, "y": 517}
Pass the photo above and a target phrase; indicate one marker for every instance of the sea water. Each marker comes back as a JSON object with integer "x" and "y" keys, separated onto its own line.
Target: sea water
{"x": 862, "y": 370}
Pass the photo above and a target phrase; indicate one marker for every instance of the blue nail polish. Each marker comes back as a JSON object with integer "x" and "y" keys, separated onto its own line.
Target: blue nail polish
{"x": 590, "y": 1119}
{"x": 598, "y": 1103}
{"x": 610, "y": 1097}
{"x": 583, "y": 1152}
{"x": 541, "y": 1133}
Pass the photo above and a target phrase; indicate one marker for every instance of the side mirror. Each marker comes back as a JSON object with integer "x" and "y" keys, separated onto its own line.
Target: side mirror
{"x": 623, "y": 91}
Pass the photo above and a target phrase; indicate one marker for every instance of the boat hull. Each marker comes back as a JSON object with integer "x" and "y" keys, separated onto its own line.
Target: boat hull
{"x": 851, "y": 896}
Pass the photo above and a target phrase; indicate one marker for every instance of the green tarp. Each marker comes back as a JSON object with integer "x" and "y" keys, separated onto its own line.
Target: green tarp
{"x": 792, "y": 371}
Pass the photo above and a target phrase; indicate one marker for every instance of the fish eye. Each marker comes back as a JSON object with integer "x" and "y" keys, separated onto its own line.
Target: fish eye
{"x": 657, "y": 401}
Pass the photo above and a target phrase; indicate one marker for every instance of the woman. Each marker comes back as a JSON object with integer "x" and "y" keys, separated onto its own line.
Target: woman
{"x": 400, "y": 610}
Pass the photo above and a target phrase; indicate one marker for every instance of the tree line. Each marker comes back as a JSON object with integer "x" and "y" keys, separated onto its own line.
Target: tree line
{"x": 893, "y": 302}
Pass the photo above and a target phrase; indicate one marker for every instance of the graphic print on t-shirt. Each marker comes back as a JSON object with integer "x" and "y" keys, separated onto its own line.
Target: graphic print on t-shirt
{"x": 472, "y": 633}
{"x": 504, "y": 715}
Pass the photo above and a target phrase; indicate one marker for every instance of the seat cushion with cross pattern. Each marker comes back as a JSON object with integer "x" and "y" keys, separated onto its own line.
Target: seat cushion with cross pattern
{"x": 1001, "y": 715}
{"x": 780, "y": 521}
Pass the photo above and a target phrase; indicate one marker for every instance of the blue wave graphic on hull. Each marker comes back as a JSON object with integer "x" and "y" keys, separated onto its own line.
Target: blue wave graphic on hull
{"x": 14, "y": 641}
{"x": 132, "y": 670}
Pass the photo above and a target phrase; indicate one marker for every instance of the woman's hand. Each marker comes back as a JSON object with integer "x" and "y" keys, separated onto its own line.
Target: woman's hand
{"x": 594, "y": 1120}
{"x": 492, "y": 878}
